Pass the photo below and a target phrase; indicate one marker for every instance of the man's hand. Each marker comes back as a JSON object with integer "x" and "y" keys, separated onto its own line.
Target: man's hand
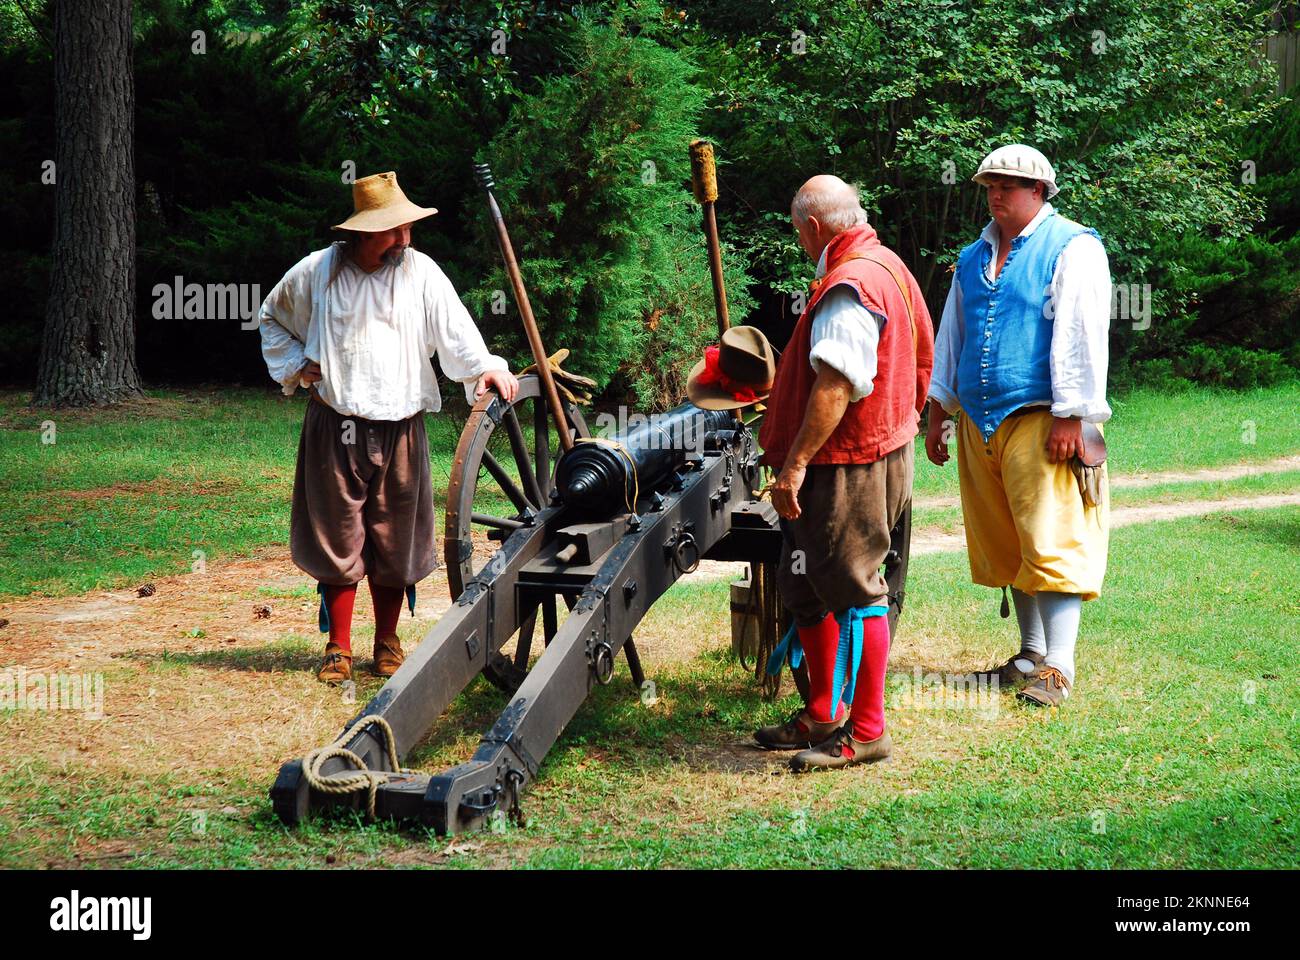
{"x": 785, "y": 492}
{"x": 1065, "y": 440}
{"x": 310, "y": 373}
{"x": 937, "y": 435}
{"x": 502, "y": 381}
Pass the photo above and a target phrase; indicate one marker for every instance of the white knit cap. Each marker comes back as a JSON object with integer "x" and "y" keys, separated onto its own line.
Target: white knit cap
{"x": 1018, "y": 160}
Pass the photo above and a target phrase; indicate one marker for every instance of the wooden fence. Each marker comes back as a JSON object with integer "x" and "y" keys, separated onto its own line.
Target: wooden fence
{"x": 1284, "y": 50}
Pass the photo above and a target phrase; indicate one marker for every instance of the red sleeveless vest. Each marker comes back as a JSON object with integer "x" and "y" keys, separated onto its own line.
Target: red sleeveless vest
{"x": 886, "y": 418}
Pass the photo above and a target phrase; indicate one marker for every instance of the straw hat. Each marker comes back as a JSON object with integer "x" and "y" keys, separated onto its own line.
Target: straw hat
{"x": 379, "y": 205}
{"x": 1018, "y": 160}
{"x": 736, "y": 373}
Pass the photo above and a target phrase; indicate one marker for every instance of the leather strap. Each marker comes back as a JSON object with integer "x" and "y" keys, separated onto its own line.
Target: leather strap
{"x": 311, "y": 391}
{"x": 902, "y": 287}
{"x": 1094, "y": 446}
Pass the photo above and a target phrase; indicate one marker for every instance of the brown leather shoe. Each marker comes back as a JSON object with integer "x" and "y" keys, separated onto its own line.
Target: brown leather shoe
{"x": 798, "y": 733}
{"x": 841, "y": 750}
{"x": 388, "y": 655}
{"x": 1010, "y": 675}
{"x": 1049, "y": 690}
{"x": 336, "y": 665}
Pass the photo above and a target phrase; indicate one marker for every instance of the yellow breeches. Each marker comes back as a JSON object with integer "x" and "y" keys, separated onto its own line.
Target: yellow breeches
{"x": 1026, "y": 525}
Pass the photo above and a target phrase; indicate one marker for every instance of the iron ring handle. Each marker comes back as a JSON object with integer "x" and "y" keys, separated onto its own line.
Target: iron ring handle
{"x": 686, "y": 542}
{"x": 602, "y": 662}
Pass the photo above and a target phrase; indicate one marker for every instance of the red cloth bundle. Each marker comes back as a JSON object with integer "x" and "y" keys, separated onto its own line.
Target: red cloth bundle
{"x": 712, "y": 374}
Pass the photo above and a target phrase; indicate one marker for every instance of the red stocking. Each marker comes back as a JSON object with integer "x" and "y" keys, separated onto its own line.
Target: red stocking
{"x": 868, "y": 714}
{"x": 388, "y": 608}
{"x": 339, "y": 601}
{"x": 819, "y": 646}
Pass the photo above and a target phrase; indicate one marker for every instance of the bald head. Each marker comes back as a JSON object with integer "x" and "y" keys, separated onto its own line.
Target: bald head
{"x": 824, "y": 207}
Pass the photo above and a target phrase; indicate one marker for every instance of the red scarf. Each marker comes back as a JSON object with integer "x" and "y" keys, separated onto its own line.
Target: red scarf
{"x": 712, "y": 374}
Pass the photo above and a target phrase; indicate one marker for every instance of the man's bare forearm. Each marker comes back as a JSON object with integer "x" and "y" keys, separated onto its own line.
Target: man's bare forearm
{"x": 826, "y": 406}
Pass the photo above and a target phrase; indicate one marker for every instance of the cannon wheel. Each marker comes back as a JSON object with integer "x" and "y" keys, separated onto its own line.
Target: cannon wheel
{"x": 494, "y": 435}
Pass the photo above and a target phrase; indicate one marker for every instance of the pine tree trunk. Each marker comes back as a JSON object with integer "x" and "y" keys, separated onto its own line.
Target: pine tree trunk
{"x": 88, "y": 349}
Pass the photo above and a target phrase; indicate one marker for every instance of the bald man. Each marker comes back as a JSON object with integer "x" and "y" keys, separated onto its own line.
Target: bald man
{"x": 839, "y": 428}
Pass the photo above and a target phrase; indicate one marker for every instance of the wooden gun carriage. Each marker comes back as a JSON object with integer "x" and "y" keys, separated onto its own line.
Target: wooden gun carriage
{"x": 607, "y": 532}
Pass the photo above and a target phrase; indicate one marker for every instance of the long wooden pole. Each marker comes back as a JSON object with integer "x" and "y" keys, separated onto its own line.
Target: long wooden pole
{"x": 704, "y": 182}
{"x": 540, "y": 356}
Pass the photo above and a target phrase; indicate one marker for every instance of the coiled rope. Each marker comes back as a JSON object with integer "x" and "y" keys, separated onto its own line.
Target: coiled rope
{"x": 362, "y": 778}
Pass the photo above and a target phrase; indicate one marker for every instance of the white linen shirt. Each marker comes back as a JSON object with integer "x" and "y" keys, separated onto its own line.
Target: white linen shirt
{"x": 373, "y": 334}
{"x": 1080, "y": 297}
{"x": 845, "y": 336}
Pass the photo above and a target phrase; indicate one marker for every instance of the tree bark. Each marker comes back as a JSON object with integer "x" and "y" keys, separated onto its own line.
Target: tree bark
{"x": 88, "y": 349}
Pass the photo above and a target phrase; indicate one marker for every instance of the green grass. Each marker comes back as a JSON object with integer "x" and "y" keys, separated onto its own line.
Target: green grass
{"x": 126, "y": 494}
{"x": 1156, "y": 431}
{"x": 122, "y": 495}
{"x": 1160, "y": 741}
{"x": 1178, "y": 750}
{"x": 1182, "y": 739}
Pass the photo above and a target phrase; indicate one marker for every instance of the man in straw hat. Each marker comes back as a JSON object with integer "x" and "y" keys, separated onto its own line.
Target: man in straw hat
{"x": 357, "y": 323}
{"x": 841, "y": 420}
{"x": 1021, "y": 354}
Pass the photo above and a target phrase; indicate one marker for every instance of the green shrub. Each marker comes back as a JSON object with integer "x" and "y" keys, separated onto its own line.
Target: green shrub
{"x": 1232, "y": 366}
{"x": 593, "y": 175}
{"x": 1243, "y": 292}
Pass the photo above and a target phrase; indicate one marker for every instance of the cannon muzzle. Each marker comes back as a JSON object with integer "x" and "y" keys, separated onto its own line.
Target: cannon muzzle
{"x": 605, "y": 476}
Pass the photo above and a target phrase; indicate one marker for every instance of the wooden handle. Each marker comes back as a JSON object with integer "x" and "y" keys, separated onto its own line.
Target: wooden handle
{"x": 551, "y": 395}
{"x": 704, "y": 176}
{"x": 704, "y": 182}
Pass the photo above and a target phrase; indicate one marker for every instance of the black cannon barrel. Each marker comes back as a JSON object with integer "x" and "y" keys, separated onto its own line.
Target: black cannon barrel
{"x": 596, "y": 477}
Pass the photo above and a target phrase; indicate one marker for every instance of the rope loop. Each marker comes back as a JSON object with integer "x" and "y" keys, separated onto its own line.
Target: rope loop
{"x": 362, "y": 778}
{"x": 622, "y": 450}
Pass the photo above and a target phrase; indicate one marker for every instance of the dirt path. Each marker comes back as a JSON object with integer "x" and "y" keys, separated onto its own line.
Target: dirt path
{"x": 1131, "y": 481}
{"x": 67, "y": 632}
{"x": 937, "y": 541}
{"x": 223, "y": 603}
{"x": 191, "y": 614}
{"x": 197, "y": 682}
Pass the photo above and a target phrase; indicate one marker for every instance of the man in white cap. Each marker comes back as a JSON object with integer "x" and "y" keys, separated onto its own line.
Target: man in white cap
{"x": 1021, "y": 355}
{"x": 357, "y": 324}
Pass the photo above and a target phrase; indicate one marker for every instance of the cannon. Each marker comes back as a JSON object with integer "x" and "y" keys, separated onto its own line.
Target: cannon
{"x": 605, "y": 525}
{"x": 609, "y": 569}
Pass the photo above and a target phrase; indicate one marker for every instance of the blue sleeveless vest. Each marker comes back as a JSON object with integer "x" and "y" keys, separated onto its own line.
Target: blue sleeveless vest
{"x": 1005, "y": 360}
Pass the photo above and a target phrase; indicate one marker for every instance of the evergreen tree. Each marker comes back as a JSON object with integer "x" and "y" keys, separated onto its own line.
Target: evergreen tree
{"x": 593, "y": 177}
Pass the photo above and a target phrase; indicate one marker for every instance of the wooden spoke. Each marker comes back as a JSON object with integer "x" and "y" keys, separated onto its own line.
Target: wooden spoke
{"x": 491, "y": 424}
{"x": 522, "y": 461}
{"x": 510, "y": 488}
{"x": 501, "y": 523}
{"x": 542, "y": 448}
